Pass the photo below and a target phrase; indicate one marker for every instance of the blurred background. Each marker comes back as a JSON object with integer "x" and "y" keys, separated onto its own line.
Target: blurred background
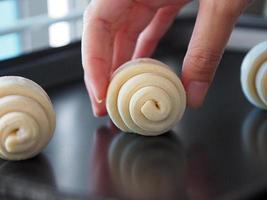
{"x": 31, "y": 25}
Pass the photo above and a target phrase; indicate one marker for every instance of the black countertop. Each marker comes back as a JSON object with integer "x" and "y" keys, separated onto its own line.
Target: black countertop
{"x": 216, "y": 152}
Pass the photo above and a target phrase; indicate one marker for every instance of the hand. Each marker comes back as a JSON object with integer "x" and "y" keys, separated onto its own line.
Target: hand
{"x": 116, "y": 31}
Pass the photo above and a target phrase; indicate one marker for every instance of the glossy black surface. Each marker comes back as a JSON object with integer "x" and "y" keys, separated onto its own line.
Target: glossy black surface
{"x": 216, "y": 152}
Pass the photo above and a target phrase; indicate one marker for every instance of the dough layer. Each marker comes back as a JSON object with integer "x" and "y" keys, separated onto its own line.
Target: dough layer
{"x": 27, "y": 118}
{"x": 146, "y": 97}
{"x": 254, "y": 75}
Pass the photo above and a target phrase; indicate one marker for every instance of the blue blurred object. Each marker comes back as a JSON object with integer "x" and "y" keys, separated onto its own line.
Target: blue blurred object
{"x": 9, "y": 44}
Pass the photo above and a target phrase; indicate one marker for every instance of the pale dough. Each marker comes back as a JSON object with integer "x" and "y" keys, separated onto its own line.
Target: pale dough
{"x": 254, "y": 75}
{"x": 146, "y": 97}
{"x": 27, "y": 118}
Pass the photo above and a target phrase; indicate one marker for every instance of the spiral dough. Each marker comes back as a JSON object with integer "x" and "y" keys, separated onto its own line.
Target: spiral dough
{"x": 27, "y": 118}
{"x": 146, "y": 97}
{"x": 254, "y": 75}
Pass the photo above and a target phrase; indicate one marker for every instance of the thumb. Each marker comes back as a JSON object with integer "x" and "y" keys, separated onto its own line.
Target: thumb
{"x": 214, "y": 24}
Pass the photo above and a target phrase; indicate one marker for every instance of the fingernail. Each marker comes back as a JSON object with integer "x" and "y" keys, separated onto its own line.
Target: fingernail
{"x": 98, "y": 99}
{"x": 94, "y": 91}
{"x": 196, "y": 92}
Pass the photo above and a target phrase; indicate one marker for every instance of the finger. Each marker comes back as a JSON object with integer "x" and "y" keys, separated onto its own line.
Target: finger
{"x": 99, "y": 108}
{"x": 125, "y": 40}
{"x": 100, "y": 22}
{"x": 213, "y": 27}
{"x": 150, "y": 37}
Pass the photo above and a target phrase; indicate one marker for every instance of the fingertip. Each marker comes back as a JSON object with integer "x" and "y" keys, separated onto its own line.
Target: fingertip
{"x": 196, "y": 93}
{"x": 99, "y": 109}
{"x": 99, "y": 90}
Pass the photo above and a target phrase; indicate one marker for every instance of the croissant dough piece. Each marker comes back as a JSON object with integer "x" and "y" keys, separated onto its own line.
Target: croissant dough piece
{"x": 254, "y": 75}
{"x": 27, "y": 118}
{"x": 146, "y": 97}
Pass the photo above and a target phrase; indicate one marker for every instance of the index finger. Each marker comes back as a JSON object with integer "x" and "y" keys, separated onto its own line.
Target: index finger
{"x": 101, "y": 19}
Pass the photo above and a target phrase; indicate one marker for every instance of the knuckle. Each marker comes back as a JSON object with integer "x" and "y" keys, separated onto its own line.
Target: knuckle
{"x": 166, "y": 18}
{"x": 202, "y": 63}
{"x": 90, "y": 15}
{"x": 227, "y": 9}
{"x": 130, "y": 33}
{"x": 151, "y": 3}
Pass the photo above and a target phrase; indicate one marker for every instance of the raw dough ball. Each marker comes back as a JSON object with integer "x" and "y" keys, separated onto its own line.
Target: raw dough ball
{"x": 27, "y": 118}
{"x": 146, "y": 97}
{"x": 254, "y": 75}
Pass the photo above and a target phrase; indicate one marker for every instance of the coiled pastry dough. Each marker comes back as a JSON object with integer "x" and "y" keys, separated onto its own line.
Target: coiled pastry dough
{"x": 27, "y": 118}
{"x": 146, "y": 97}
{"x": 254, "y": 75}
{"x": 254, "y": 135}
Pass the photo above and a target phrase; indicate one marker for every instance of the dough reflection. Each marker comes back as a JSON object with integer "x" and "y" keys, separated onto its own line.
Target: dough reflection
{"x": 254, "y": 134}
{"x": 147, "y": 168}
{"x": 38, "y": 170}
{"x": 35, "y": 176}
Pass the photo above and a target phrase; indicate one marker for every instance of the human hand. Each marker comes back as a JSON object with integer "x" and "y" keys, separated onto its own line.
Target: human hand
{"x": 117, "y": 31}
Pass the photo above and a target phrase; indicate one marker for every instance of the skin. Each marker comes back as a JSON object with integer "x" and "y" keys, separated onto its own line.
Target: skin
{"x": 120, "y": 30}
